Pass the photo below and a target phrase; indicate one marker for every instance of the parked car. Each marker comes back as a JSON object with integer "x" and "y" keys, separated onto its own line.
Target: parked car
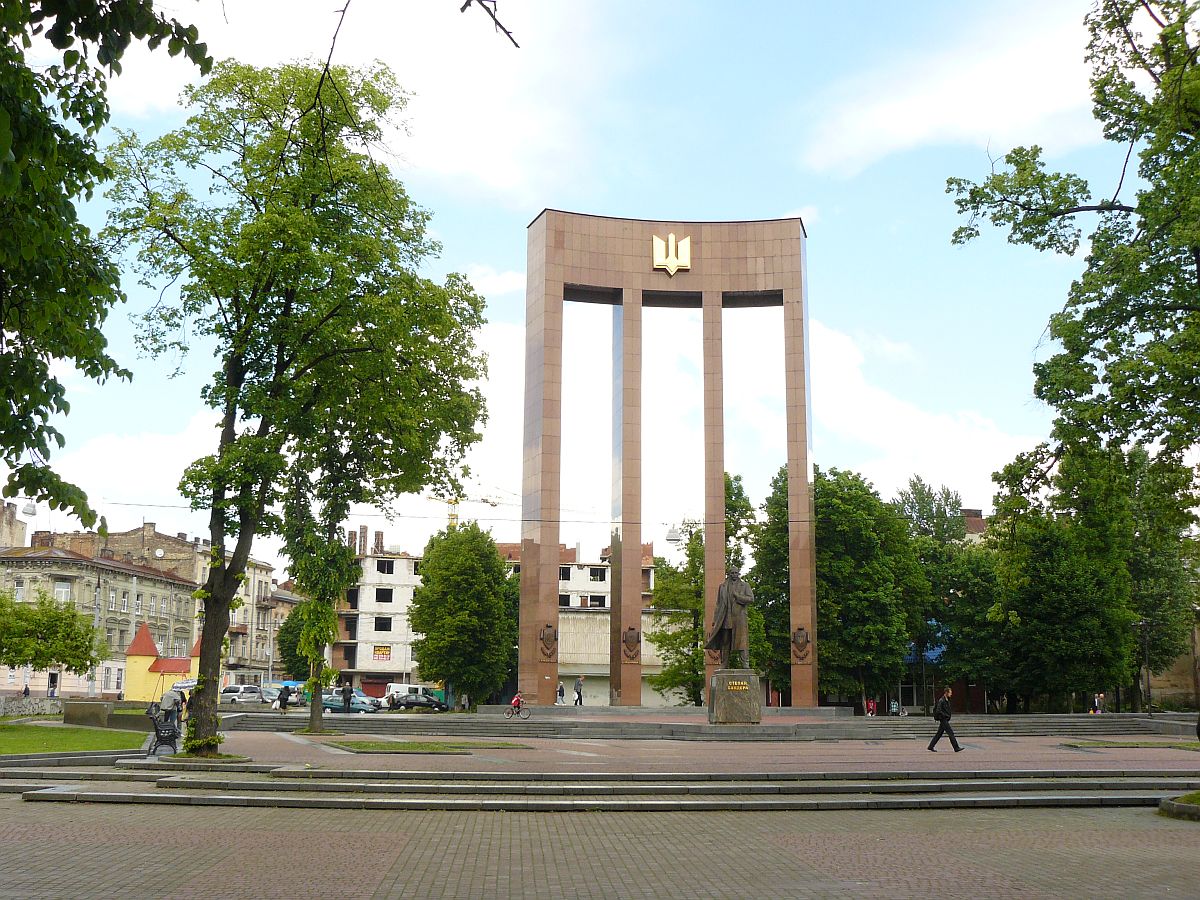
{"x": 333, "y": 703}
{"x": 241, "y": 693}
{"x": 374, "y": 701}
{"x": 418, "y": 701}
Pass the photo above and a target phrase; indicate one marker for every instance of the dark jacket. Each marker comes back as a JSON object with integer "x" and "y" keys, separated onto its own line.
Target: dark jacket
{"x": 941, "y": 710}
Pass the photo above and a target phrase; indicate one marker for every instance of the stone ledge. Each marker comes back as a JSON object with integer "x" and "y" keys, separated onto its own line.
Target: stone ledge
{"x": 1190, "y": 811}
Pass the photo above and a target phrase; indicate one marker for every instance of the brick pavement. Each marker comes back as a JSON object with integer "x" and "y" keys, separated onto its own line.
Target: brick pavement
{"x": 566, "y": 755}
{"x": 101, "y": 851}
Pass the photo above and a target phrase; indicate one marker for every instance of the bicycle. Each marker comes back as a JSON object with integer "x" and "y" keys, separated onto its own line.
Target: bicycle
{"x": 522, "y": 711}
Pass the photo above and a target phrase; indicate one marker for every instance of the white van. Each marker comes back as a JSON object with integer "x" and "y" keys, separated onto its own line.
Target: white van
{"x": 398, "y": 689}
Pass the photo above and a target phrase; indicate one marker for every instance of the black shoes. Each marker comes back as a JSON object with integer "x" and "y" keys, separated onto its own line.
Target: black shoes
{"x": 958, "y": 749}
{"x": 931, "y": 750}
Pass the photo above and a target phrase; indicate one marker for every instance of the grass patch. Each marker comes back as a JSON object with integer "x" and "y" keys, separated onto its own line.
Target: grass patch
{"x": 1153, "y": 745}
{"x": 1193, "y": 797}
{"x": 39, "y": 739}
{"x": 322, "y": 731}
{"x": 444, "y": 747}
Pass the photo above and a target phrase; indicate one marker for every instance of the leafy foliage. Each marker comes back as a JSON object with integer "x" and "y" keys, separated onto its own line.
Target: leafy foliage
{"x": 868, "y": 580}
{"x": 466, "y": 634}
{"x": 46, "y": 634}
{"x": 294, "y": 663}
{"x": 769, "y": 579}
{"x": 1130, "y": 330}
{"x": 342, "y": 374}
{"x": 56, "y": 282}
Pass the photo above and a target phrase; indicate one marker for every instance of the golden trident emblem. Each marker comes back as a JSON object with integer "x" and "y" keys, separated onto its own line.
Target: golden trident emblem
{"x": 671, "y": 257}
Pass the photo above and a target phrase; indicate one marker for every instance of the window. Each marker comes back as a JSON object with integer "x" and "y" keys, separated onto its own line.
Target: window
{"x": 124, "y": 601}
{"x": 597, "y": 601}
{"x": 564, "y": 599}
{"x": 19, "y": 589}
{"x": 385, "y": 566}
{"x": 121, "y": 639}
{"x": 120, "y": 672}
{"x": 416, "y": 567}
{"x": 352, "y": 598}
{"x": 383, "y": 623}
{"x": 109, "y": 635}
{"x": 112, "y": 600}
{"x": 598, "y": 573}
{"x": 383, "y": 595}
{"x": 515, "y": 569}
{"x": 154, "y": 605}
{"x": 62, "y": 590}
{"x": 108, "y": 678}
{"x": 564, "y": 573}
{"x": 137, "y": 605}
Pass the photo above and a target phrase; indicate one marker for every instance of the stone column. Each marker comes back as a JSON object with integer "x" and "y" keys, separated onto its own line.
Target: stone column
{"x": 537, "y": 670}
{"x": 801, "y": 553}
{"x": 714, "y": 467}
{"x": 625, "y": 598}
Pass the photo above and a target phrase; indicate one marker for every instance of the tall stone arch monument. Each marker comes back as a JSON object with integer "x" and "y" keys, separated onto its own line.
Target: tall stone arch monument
{"x": 631, "y": 264}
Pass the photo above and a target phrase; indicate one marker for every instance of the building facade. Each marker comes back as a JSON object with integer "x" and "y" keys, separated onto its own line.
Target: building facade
{"x": 117, "y": 595}
{"x": 250, "y": 625}
{"x": 374, "y": 645}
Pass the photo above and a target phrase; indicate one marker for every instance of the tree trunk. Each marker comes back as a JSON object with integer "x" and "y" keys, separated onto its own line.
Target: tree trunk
{"x": 203, "y": 737}
{"x": 316, "y": 709}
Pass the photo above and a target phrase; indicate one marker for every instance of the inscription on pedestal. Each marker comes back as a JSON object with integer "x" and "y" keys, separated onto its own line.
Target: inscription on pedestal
{"x": 734, "y": 698}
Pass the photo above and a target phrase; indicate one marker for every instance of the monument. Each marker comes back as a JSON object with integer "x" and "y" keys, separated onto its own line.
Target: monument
{"x": 631, "y": 264}
{"x": 733, "y": 690}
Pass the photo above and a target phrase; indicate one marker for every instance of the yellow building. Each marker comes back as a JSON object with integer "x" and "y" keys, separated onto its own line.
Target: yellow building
{"x": 147, "y": 674}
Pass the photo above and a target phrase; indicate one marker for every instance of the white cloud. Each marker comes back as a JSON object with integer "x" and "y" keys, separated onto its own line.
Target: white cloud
{"x": 1011, "y": 79}
{"x": 897, "y": 438}
{"x": 491, "y": 283}
{"x": 483, "y": 115}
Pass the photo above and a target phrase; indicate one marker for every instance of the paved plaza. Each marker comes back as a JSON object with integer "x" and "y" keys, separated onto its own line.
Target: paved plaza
{"x": 48, "y": 850}
{"x": 132, "y": 851}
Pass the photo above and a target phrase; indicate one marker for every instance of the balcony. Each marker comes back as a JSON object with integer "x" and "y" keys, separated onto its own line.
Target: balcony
{"x": 266, "y": 602}
{"x": 239, "y": 628}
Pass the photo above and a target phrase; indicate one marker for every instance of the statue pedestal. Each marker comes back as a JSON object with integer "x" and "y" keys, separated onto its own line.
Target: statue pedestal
{"x": 734, "y": 698}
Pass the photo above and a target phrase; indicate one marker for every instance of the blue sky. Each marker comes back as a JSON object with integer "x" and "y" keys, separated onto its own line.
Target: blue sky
{"x": 921, "y": 352}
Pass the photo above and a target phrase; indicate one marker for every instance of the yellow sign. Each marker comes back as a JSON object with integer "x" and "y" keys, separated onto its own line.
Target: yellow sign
{"x": 383, "y": 653}
{"x": 737, "y": 686}
{"x": 672, "y": 257}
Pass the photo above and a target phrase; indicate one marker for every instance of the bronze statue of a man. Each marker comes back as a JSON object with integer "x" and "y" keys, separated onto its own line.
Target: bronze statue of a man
{"x": 730, "y": 635}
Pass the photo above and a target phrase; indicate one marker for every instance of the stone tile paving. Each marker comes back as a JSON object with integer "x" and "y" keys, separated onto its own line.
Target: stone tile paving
{"x": 48, "y": 850}
{"x": 558, "y": 755}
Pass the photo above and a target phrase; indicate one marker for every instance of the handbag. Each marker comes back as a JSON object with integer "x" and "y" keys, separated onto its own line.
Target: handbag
{"x": 274, "y": 704}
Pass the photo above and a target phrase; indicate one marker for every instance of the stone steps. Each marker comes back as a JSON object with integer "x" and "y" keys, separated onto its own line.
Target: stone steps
{"x": 150, "y": 782}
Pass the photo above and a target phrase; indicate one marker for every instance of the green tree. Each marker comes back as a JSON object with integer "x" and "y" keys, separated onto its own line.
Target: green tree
{"x": 466, "y": 635}
{"x": 868, "y": 580}
{"x": 769, "y": 579}
{"x": 297, "y": 261}
{"x": 934, "y": 514}
{"x": 57, "y": 283}
{"x": 935, "y": 523}
{"x": 974, "y": 631}
{"x": 290, "y": 657}
{"x": 1130, "y": 329}
{"x": 46, "y": 634}
{"x": 678, "y": 631}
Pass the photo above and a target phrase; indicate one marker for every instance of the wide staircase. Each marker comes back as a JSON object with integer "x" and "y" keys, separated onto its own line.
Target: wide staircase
{"x": 684, "y": 726}
{"x": 148, "y": 781}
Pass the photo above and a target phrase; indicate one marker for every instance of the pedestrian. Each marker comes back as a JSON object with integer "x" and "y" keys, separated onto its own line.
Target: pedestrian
{"x": 941, "y": 712}
{"x": 562, "y": 695}
{"x": 285, "y": 694}
{"x": 1100, "y": 704}
{"x": 347, "y": 693}
{"x": 25, "y": 693}
{"x": 169, "y": 705}
{"x": 579, "y": 690}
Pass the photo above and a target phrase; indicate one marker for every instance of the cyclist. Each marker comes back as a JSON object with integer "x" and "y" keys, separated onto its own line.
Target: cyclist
{"x": 517, "y": 702}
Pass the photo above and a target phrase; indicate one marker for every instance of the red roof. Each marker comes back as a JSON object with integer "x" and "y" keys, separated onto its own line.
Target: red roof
{"x": 196, "y": 648}
{"x": 172, "y": 665}
{"x": 142, "y": 643}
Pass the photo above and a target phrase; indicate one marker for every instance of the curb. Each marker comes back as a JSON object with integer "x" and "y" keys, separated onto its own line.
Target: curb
{"x": 1189, "y": 811}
